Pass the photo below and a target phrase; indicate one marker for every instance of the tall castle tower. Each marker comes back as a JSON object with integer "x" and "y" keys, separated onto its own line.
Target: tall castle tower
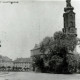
{"x": 69, "y": 19}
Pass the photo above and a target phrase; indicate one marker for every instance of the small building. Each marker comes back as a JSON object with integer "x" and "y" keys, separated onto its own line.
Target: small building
{"x": 35, "y": 51}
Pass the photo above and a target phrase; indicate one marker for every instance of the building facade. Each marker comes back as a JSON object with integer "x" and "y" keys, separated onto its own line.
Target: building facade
{"x": 24, "y": 64}
{"x": 20, "y": 64}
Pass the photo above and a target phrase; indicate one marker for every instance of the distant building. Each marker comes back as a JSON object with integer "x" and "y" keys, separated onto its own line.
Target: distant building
{"x": 20, "y": 64}
{"x": 5, "y": 63}
{"x": 23, "y": 63}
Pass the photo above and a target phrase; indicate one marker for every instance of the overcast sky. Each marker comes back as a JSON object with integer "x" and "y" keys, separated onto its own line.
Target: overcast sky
{"x": 26, "y": 23}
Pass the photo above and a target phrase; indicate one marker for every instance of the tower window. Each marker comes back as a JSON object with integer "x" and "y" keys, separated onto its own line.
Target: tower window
{"x": 71, "y": 24}
{"x": 71, "y": 16}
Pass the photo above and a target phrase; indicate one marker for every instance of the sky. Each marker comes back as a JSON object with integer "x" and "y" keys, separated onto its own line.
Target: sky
{"x": 24, "y": 24}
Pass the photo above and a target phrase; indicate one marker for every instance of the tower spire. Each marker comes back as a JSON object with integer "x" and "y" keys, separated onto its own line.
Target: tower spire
{"x": 68, "y": 3}
{"x": 68, "y": 6}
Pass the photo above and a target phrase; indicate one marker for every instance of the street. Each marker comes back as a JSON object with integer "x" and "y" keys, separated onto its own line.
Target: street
{"x": 37, "y": 76}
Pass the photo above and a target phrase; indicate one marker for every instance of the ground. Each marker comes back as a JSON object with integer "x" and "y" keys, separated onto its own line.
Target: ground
{"x": 37, "y": 76}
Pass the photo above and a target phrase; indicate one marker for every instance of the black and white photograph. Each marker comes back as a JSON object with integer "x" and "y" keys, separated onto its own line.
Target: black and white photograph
{"x": 39, "y": 39}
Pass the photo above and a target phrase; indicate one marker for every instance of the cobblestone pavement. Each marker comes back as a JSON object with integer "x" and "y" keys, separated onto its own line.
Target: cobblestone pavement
{"x": 37, "y": 76}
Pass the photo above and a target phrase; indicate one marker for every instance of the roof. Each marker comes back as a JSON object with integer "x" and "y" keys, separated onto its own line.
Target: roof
{"x": 23, "y": 60}
{"x": 5, "y": 59}
{"x": 36, "y": 47}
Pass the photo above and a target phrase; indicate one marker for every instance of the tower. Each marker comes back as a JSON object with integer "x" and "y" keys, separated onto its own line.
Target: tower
{"x": 69, "y": 19}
